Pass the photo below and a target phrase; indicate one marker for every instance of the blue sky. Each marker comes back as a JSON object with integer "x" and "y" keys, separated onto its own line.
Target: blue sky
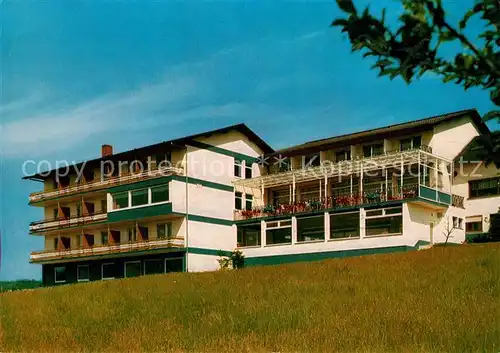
{"x": 131, "y": 73}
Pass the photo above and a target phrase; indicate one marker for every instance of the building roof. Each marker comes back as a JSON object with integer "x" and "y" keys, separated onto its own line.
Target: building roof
{"x": 178, "y": 142}
{"x": 382, "y": 132}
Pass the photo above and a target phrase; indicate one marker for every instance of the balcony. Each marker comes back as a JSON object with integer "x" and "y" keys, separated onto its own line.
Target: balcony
{"x": 96, "y": 250}
{"x": 67, "y": 221}
{"x": 340, "y": 201}
{"x": 124, "y": 178}
{"x": 457, "y": 201}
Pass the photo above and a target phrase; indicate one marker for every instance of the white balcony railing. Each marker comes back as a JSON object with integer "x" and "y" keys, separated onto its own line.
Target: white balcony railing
{"x": 45, "y": 255}
{"x": 101, "y": 184}
{"x": 50, "y": 224}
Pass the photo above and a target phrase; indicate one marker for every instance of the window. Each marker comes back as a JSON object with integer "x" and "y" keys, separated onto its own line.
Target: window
{"x": 474, "y": 224}
{"x": 56, "y": 213}
{"x": 238, "y": 200}
{"x": 56, "y": 242}
{"x": 311, "y": 228}
{"x": 389, "y": 223}
{"x": 78, "y": 210}
{"x": 342, "y": 156}
{"x": 309, "y": 193}
{"x": 281, "y": 197}
{"x": 248, "y": 171}
{"x": 83, "y": 273}
{"x": 133, "y": 269}
{"x": 249, "y": 235}
{"x": 237, "y": 168}
{"x": 152, "y": 267}
{"x": 163, "y": 160}
{"x": 373, "y": 150}
{"x": 310, "y": 161}
{"x": 159, "y": 194}
{"x": 410, "y": 143}
{"x": 60, "y": 274}
{"x": 139, "y": 197}
{"x": 484, "y": 187}
{"x": 164, "y": 230}
{"x": 174, "y": 265}
{"x": 344, "y": 225}
{"x": 248, "y": 201}
{"x": 457, "y": 222}
{"x": 104, "y": 205}
{"x": 108, "y": 270}
{"x": 120, "y": 200}
{"x": 104, "y": 238}
{"x": 279, "y": 232}
{"x": 132, "y": 234}
{"x": 90, "y": 239}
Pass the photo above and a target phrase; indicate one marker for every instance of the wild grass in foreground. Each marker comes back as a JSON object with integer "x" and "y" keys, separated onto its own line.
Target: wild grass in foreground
{"x": 442, "y": 300}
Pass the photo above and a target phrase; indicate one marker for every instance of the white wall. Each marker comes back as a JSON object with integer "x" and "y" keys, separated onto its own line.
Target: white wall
{"x": 451, "y": 137}
{"x": 202, "y": 263}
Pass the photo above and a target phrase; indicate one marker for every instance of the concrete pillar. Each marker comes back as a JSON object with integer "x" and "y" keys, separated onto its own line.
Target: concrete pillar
{"x": 327, "y": 226}
{"x": 263, "y": 233}
{"x": 362, "y": 227}
{"x": 294, "y": 230}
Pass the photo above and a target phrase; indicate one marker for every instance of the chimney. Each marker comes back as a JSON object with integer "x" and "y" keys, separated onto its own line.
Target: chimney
{"x": 106, "y": 150}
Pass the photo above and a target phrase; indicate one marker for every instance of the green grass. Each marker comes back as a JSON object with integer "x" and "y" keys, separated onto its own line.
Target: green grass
{"x": 446, "y": 299}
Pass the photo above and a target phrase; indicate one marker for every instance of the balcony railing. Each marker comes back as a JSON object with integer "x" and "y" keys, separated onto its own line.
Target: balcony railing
{"x": 67, "y": 221}
{"x": 335, "y": 202}
{"x": 457, "y": 201}
{"x": 45, "y": 255}
{"x": 124, "y": 178}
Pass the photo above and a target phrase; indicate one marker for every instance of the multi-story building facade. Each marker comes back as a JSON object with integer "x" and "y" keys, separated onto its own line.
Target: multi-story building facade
{"x": 388, "y": 189}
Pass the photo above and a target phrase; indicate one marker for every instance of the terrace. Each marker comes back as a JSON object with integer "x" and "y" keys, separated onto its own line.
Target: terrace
{"x": 63, "y": 221}
{"x": 96, "y": 185}
{"x": 393, "y": 176}
{"x": 105, "y": 249}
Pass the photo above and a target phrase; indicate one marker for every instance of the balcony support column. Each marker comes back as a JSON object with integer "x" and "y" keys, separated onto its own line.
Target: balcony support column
{"x": 401, "y": 176}
{"x": 386, "y": 183}
{"x": 362, "y": 225}
{"x": 327, "y": 226}
{"x": 294, "y": 230}
{"x": 293, "y": 188}
{"x": 263, "y": 233}
{"x": 361, "y": 191}
{"x": 418, "y": 166}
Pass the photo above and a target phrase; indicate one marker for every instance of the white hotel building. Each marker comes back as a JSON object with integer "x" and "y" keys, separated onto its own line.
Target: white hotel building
{"x": 394, "y": 188}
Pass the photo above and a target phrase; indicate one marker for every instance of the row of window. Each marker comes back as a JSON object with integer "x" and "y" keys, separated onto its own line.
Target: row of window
{"x": 163, "y": 231}
{"x": 238, "y": 201}
{"x": 484, "y": 187}
{"x": 381, "y": 222}
{"x": 238, "y": 169}
{"x": 140, "y": 197}
{"x": 110, "y": 270}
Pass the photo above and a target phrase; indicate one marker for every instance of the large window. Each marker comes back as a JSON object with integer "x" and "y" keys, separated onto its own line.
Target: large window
{"x": 375, "y": 149}
{"x": 83, "y": 273}
{"x": 248, "y": 171}
{"x": 344, "y": 225}
{"x": 164, "y": 230}
{"x": 248, "y": 201}
{"x": 60, "y": 274}
{"x": 474, "y": 224}
{"x": 281, "y": 197}
{"x": 311, "y": 228}
{"x": 104, "y": 238}
{"x": 342, "y": 155}
{"x": 120, "y": 200}
{"x": 312, "y": 160}
{"x": 310, "y": 193}
{"x": 132, "y": 234}
{"x": 279, "y": 232}
{"x": 484, "y": 187}
{"x": 238, "y": 200}
{"x": 108, "y": 270}
{"x": 139, "y": 197}
{"x": 249, "y": 235}
{"x": 159, "y": 194}
{"x": 152, "y": 267}
{"x": 174, "y": 265}
{"x": 132, "y": 269}
{"x": 410, "y": 143}
{"x": 237, "y": 168}
{"x": 389, "y": 222}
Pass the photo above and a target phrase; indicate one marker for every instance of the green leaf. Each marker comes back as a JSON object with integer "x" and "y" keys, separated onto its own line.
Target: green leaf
{"x": 346, "y": 6}
{"x": 494, "y": 114}
{"x": 339, "y": 22}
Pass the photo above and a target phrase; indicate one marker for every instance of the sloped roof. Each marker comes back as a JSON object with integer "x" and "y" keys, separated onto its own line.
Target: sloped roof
{"x": 178, "y": 142}
{"x": 481, "y": 148}
{"x": 385, "y": 131}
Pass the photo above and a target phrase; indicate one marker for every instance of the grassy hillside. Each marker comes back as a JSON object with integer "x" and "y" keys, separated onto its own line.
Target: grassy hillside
{"x": 442, "y": 299}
